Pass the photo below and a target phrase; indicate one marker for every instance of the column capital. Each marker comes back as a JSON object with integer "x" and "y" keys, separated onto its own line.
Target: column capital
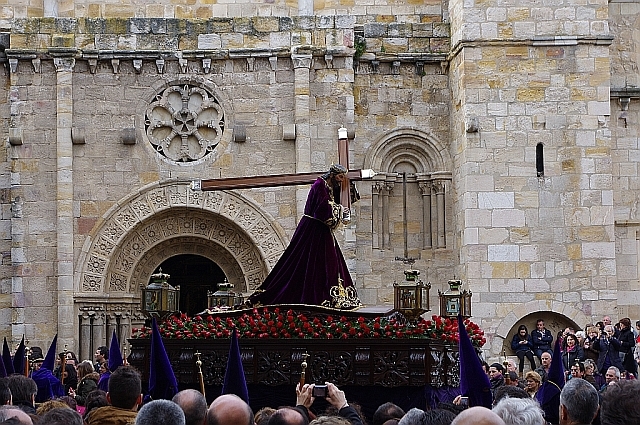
{"x": 64, "y": 64}
{"x": 301, "y": 61}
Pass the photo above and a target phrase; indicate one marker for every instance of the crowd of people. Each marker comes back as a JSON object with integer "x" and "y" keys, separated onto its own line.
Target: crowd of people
{"x": 580, "y": 403}
{"x": 595, "y": 349}
{"x": 598, "y": 386}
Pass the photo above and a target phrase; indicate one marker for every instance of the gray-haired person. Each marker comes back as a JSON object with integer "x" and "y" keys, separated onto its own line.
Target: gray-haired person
{"x": 160, "y": 412}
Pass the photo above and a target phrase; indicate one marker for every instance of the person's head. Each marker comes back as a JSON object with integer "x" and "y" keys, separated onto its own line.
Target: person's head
{"x": 625, "y": 323}
{"x": 533, "y": 381}
{"x": 84, "y": 369}
{"x": 513, "y": 378}
{"x": 511, "y": 365}
{"x": 638, "y": 325}
{"x": 229, "y": 409}
{"x": 510, "y": 391}
{"x": 580, "y": 336}
{"x": 103, "y": 368}
{"x": 495, "y": 370}
{"x": 95, "y": 399}
{"x": 5, "y": 392}
{"x": 621, "y": 404}
{"x": 337, "y": 173}
{"x": 387, "y": 411}
{"x": 287, "y": 416}
{"x": 125, "y": 388}
{"x": 330, "y": 420}
{"x": 70, "y": 358}
{"x": 540, "y": 324}
{"x": 477, "y": 416}
{"x": 606, "y": 320}
{"x": 61, "y": 416}
{"x": 578, "y": 402}
{"x": 519, "y": 411}
{"x": 577, "y": 370}
{"x": 7, "y": 412}
{"x": 589, "y": 367}
{"x": 545, "y": 359}
{"x": 412, "y": 417}
{"x": 593, "y": 331}
{"x": 522, "y": 331}
{"x": 194, "y": 406}
{"x": 23, "y": 389}
{"x": 609, "y": 330}
{"x": 160, "y": 412}
{"x": 572, "y": 341}
{"x": 262, "y": 416}
{"x": 49, "y": 405}
{"x": 70, "y": 375}
{"x": 485, "y": 367}
{"x": 439, "y": 417}
{"x": 102, "y": 354}
{"x": 612, "y": 375}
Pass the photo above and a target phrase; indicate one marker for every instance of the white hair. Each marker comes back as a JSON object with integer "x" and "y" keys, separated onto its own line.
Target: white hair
{"x": 519, "y": 411}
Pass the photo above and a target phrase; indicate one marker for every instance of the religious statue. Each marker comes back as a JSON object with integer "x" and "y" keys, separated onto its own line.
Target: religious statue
{"x": 312, "y": 270}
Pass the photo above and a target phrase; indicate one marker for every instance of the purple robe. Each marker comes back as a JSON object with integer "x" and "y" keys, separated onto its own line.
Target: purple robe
{"x": 312, "y": 262}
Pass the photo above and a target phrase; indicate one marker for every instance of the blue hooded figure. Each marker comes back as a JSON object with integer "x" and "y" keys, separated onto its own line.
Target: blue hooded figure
{"x": 49, "y": 387}
{"x": 234, "y": 379}
{"x": 115, "y": 361}
{"x": 474, "y": 382}
{"x": 162, "y": 380}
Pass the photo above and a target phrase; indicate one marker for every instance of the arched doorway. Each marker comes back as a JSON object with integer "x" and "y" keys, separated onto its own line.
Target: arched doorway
{"x": 554, "y": 322}
{"x": 195, "y": 275}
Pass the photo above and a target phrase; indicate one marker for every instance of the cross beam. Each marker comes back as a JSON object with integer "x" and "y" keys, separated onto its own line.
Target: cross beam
{"x": 270, "y": 180}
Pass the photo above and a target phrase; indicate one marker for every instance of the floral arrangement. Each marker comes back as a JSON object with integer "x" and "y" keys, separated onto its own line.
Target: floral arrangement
{"x": 274, "y": 323}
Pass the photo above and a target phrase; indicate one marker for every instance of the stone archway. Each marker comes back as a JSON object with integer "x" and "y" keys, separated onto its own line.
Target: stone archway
{"x": 546, "y": 308}
{"x": 112, "y": 259}
{"x": 158, "y": 221}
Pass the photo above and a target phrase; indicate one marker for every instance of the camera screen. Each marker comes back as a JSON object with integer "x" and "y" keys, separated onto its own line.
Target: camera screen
{"x": 320, "y": 391}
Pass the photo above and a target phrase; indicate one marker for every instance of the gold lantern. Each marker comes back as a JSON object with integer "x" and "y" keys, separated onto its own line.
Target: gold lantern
{"x": 411, "y": 297}
{"x": 159, "y": 298}
{"x": 224, "y": 297}
{"x": 455, "y": 301}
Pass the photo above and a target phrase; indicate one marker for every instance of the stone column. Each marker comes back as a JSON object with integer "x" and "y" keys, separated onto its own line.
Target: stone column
{"x": 64, "y": 198}
{"x": 425, "y": 189}
{"x": 85, "y": 340}
{"x": 302, "y": 65}
{"x": 386, "y": 191}
{"x": 18, "y": 225}
{"x": 439, "y": 187}
{"x": 376, "y": 235}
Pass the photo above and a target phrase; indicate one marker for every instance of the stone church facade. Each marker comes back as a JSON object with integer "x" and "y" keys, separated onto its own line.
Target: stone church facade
{"x": 511, "y": 128}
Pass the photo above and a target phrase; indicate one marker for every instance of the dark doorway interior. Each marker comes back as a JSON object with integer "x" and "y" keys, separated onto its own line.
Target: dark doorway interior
{"x": 195, "y": 275}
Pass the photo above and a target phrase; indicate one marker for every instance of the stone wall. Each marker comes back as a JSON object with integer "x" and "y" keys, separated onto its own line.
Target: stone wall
{"x": 460, "y": 96}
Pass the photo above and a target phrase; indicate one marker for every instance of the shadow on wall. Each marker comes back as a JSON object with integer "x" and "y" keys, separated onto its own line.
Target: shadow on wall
{"x": 555, "y": 322}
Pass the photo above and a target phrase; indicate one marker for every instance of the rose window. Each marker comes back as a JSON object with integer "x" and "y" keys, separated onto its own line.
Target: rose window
{"x": 184, "y": 123}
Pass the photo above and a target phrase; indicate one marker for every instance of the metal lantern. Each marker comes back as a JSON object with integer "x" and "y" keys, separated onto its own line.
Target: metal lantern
{"x": 224, "y": 297}
{"x": 411, "y": 297}
{"x": 159, "y": 299}
{"x": 454, "y": 301}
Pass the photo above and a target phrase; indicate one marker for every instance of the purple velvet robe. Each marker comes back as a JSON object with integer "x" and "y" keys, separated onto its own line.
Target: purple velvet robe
{"x": 312, "y": 262}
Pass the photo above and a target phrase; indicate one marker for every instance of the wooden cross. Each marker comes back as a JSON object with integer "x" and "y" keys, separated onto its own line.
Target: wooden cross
{"x": 293, "y": 178}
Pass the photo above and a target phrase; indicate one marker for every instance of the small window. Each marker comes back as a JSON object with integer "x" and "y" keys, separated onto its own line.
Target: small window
{"x": 540, "y": 159}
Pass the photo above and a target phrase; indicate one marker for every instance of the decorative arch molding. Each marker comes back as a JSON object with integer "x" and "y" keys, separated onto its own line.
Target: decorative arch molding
{"x": 142, "y": 230}
{"x": 523, "y": 310}
{"x": 414, "y": 155}
{"x": 417, "y": 147}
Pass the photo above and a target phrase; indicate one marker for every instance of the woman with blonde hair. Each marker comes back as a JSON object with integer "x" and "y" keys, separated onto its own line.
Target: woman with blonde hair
{"x": 534, "y": 381}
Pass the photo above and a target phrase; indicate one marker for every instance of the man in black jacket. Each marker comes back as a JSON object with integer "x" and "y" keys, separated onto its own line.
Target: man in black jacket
{"x": 541, "y": 339}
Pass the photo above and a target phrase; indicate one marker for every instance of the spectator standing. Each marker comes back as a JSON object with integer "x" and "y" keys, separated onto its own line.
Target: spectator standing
{"x": 621, "y": 404}
{"x": 627, "y": 345}
{"x": 608, "y": 347}
{"x": 194, "y": 406}
{"x": 124, "y": 396}
{"x": 578, "y": 403}
{"x": 160, "y": 412}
